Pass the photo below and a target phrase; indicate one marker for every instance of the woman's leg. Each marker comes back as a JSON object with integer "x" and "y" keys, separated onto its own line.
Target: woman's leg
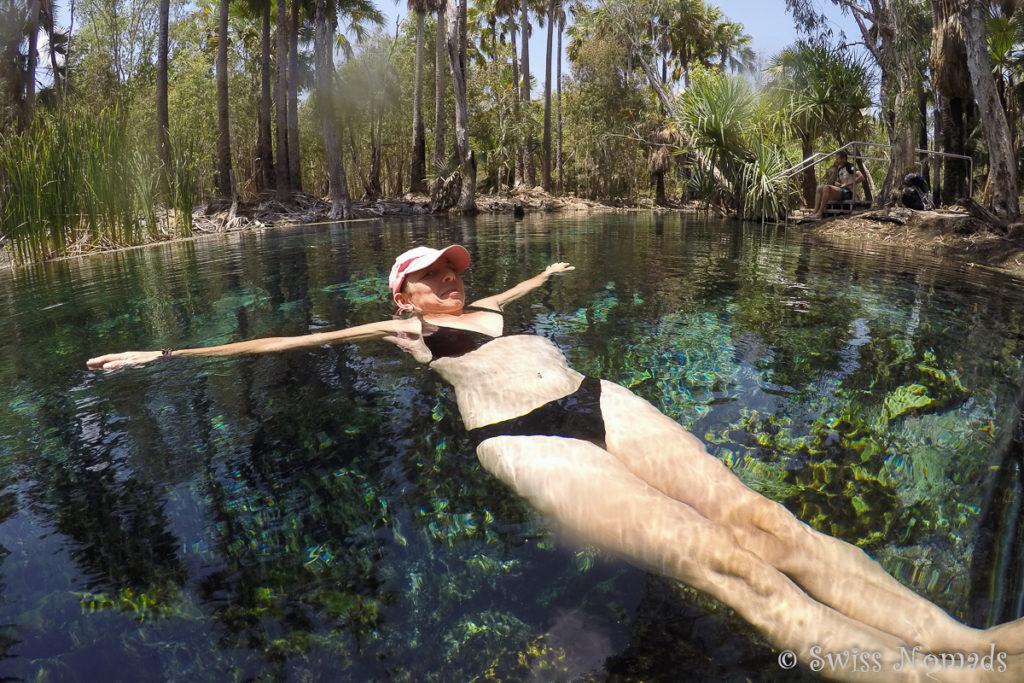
{"x": 658, "y": 451}
{"x": 591, "y": 493}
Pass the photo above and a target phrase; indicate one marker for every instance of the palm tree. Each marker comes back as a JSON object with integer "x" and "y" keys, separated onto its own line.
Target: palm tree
{"x": 690, "y": 36}
{"x": 554, "y": 7}
{"x": 264, "y": 136}
{"x": 1005, "y": 36}
{"x": 163, "y": 120}
{"x": 32, "y": 29}
{"x": 509, "y": 8}
{"x": 456, "y": 40}
{"x": 223, "y": 129}
{"x": 439, "y": 83}
{"x": 418, "y": 165}
{"x": 294, "y": 163}
{"x": 281, "y": 174}
{"x": 733, "y": 46}
{"x": 325, "y": 19}
{"x": 529, "y": 175}
{"x": 559, "y": 185}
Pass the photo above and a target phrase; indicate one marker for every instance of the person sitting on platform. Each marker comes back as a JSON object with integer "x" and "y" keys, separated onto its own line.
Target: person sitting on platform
{"x": 841, "y": 185}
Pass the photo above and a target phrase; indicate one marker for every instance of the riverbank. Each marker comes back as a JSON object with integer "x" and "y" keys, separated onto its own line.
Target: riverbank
{"x": 949, "y": 232}
{"x": 226, "y": 216}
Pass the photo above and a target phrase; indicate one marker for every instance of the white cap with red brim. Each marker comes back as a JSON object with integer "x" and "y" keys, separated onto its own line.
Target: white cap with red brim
{"x": 419, "y": 258}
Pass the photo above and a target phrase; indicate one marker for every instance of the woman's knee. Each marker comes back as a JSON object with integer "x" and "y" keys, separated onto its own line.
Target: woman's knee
{"x": 766, "y": 516}
{"x": 727, "y": 568}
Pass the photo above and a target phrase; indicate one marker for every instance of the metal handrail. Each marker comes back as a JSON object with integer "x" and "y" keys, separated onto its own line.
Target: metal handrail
{"x": 818, "y": 157}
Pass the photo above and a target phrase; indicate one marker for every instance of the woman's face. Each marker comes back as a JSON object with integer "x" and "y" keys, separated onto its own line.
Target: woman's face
{"x": 435, "y": 289}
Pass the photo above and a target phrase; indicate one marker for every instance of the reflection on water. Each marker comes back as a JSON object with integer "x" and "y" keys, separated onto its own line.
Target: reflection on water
{"x": 318, "y": 513}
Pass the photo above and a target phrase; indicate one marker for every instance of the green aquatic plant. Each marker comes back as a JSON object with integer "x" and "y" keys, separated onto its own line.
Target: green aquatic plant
{"x": 538, "y": 660}
{"x": 160, "y": 602}
{"x": 363, "y": 293}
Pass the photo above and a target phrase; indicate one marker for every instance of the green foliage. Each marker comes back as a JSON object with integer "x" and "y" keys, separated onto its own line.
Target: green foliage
{"x": 764, "y": 194}
{"x": 717, "y": 111}
{"x": 74, "y": 182}
{"x": 824, "y": 90}
{"x": 727, "y": 123}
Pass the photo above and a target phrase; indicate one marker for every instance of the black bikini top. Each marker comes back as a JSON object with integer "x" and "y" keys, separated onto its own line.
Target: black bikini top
{"x": 448, "y": 342}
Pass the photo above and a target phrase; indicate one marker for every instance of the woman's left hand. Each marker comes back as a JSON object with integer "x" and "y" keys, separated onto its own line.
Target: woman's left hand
{"x": 558, "y": 268}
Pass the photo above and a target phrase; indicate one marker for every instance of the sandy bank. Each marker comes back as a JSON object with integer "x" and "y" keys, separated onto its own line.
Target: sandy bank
{"x": 952, "y": 233}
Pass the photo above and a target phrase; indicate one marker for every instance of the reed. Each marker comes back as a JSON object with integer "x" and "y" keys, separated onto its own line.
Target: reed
{"x": 72, "y": 183}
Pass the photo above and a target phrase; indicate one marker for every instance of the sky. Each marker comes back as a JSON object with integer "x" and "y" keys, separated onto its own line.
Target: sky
{"x": 772, "y": 28}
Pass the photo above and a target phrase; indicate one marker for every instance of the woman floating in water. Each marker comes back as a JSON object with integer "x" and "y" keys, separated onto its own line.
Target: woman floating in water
{"x": 617, "y": 472}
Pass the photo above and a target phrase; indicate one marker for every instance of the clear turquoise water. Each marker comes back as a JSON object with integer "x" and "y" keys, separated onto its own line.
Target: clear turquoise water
{"x": 318, "y": 515}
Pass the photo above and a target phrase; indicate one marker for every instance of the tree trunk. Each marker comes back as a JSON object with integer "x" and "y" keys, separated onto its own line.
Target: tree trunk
{"x": 898, "y": 74}
{"x": 32, "y": 28}
{"x": 529, "y": 171}
{"x": 559, "y": 187}
{"x": 281, "y": 180}
{"x": 938, "y": 174}
{"x": 869, "y": 183}
{"x": 922, "y": 130}
{"x": 418, "y": 164}
{"x": 954, "y": 138}
{"x": 810, "y": 183}
{"x": 264, "y": 138}
{"x": 376, "y": 123}
{"x": 163, "y": 119}
{"x": 439, "y": 88}
{"x": 457, "y": 57}
{"x": 1002, "y": 162}
{"x": 223, "y": 129}
{"x": 55, "y": 69}
{"x": 294, "y": 164}
{"x": 658, "y": 180}
{"x": 517, "y": 158}
{"x": 545, "y": 159}
{"x": 901, "y": 141}
{"x": 323, "y": 48}
{"x": 67, "y": 52}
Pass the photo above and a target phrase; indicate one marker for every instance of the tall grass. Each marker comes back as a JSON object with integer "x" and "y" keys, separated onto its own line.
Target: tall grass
{"x": 72, "y": 183}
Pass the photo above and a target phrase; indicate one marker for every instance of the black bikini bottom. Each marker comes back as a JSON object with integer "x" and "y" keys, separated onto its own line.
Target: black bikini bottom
{"x": 576, "y": 416}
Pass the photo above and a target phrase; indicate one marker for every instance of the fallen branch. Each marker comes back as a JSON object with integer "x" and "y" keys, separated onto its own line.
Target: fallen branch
{"x": 884, "y": 216}
{"x": 978, "y": 211}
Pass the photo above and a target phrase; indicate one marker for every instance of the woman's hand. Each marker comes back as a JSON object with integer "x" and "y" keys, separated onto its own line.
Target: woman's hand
{"x": 117, "y": 360}
{"x": 558, "y": 268}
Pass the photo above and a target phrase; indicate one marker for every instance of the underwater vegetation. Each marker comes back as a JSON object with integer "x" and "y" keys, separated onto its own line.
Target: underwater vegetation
{"x": 321, "y": 513}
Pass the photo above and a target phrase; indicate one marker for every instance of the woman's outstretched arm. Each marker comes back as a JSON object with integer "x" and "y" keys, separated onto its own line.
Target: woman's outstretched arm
{"x": 388, "y": 330}
{"x": 524, "y": 287}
